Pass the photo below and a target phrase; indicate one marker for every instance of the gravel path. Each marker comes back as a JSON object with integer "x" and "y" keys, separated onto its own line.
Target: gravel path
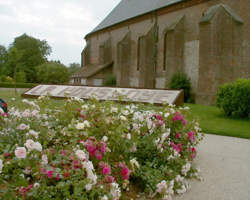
{"x": 225, "y": 167}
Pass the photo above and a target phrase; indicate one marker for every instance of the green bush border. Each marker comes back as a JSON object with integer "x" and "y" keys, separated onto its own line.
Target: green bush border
{"x": 18, "y": 85}
{"x": 234, "y": 98}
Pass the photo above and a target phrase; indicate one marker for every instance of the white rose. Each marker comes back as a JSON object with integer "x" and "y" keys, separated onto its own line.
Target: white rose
{"x": 34, "y": 133}
{"x": 123, "y": 118}
{"x": 1, "y": 165}
{"x": 86, "y": 123}
{"x": 129, "y": 136}
{"x": 166, "y": 115}
{"x": 125, "y": 112}
{"x": 165, "y": 135}
{"x": 81, "y": 155}
{"x": 20, "y": 152}
{"x": 44, "y": 159}
{"x": 80, "y": 126}
{"x": 88, "y": 165}
{"x": 38, "y": 146}
{"x": 105, "y": 138}
{"x": 134, "y": 162}
{"x": 22, "y": 127}
{"x": 36, "y": 185}
{"x": 114, "y": 110}
{"x": 104, "y": 197}
{"x": 88, "y": 187}
{"x": 29, "y": 144}
{"x": 85, "y": 107}
{"x": 91, "y": 176}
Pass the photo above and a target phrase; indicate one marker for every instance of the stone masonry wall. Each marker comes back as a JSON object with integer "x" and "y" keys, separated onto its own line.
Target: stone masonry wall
{"x": 185, "y": 47}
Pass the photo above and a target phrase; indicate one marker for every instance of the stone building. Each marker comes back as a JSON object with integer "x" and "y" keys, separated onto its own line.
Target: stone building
{"x": 144, "y": 42}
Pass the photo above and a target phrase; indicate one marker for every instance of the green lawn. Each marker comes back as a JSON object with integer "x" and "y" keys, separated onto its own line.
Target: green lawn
{"x": 211, "y": 119}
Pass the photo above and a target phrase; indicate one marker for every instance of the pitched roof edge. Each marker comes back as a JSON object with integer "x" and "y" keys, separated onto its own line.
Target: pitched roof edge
{"x": 83, "y": 72}
{"x": 146, "y": 13}
{"x": 213, "y": 9}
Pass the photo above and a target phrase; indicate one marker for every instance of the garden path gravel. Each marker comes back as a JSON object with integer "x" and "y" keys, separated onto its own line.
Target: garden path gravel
{"x": 225, "y": 167}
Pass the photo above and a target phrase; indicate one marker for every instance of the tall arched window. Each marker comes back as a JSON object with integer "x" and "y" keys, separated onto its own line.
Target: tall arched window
{"x": 139, "y": 50}
{"x": 165, "y": 52}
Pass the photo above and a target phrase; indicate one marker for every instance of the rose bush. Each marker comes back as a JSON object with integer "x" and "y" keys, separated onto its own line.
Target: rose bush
{"x": 95, "y": 150}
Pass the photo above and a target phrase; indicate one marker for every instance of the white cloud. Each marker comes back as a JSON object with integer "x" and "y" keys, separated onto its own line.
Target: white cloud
{"x": 62, "y": 23}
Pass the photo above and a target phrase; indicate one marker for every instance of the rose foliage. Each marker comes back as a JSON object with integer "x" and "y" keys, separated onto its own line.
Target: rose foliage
{"x": 95, "y": 150}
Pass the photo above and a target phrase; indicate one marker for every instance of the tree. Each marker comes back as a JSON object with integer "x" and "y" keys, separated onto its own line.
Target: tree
{"x": 52, "y": 73}
{"x": 14, "y": 61}
{"x": 34, "y": 53}
{"x": 3, "y": 59}
{"x": 73, "y": 68}
{"x": 20, "y": 77}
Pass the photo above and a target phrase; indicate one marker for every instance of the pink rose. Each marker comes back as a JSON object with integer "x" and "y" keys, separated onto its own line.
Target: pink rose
{"x": 83, "y": 116}
{"x": 44, "y": 171}
{"x": 106, "y": 170}
{"x": 30, "y": 187}
{"x": 58, "y": 177}
{"x": 192, "y": 156}
{"x": 159, "y": 117}
{"x": 125, "y": 173}
{"x": 66, "y": 174}
{"x": 91, "y": 149}
{"x": 109, "y": 179}
{"x": 103, "y": 147}
{"x": 178, "y": 135}
{"x": 191, "y": 136}
{"x": 76, "y": 164}
{"x": 50, "y": 174}
{"x": 179, "y": 117}
{"x": 20, "y": 152}
{"x": 176, "y": 147}
{"x": 22, "y": 190}
{"x": 98, "y": 156}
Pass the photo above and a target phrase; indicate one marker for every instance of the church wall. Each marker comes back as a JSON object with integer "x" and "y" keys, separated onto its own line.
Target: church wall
{"x": 190, "y": 56}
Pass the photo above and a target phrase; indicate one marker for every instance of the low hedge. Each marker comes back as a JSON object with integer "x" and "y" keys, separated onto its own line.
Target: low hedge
{"x": 18, "y": 85}
{"x": 234, "y": 98}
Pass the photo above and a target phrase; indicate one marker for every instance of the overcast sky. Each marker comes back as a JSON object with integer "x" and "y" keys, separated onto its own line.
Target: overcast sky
{"x": 62, "y": 23}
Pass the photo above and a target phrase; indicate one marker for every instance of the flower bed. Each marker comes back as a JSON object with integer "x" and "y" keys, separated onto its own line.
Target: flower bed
{"x": 95, "y": 150}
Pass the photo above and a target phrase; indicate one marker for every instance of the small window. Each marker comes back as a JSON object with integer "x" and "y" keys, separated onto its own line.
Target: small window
{"x": 83, "y": 81}
{"x": 98, "y": 82}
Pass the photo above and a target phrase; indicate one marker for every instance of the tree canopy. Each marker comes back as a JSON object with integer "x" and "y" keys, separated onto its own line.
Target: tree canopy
{"x": 73, "y": 68}
{"x": 52, "y": 73}
{"x": 26, "y": 60}
{"x": 34, "y": 52}
{"x": 3, "y": 58}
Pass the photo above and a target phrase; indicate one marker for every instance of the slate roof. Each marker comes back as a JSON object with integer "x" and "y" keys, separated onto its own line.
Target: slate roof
{"x": 128, "y": 9}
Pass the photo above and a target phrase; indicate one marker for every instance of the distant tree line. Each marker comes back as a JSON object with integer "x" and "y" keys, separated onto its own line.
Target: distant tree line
{"x": 26, "y": 60}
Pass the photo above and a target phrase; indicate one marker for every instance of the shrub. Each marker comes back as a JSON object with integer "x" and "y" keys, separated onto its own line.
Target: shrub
{"x": 6, "y": 79}
{"x": 181, "y": 81}
{"x": 110, "y": 80}
{"x": 94, "y": 150}
{"x": 234, "y": 98}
